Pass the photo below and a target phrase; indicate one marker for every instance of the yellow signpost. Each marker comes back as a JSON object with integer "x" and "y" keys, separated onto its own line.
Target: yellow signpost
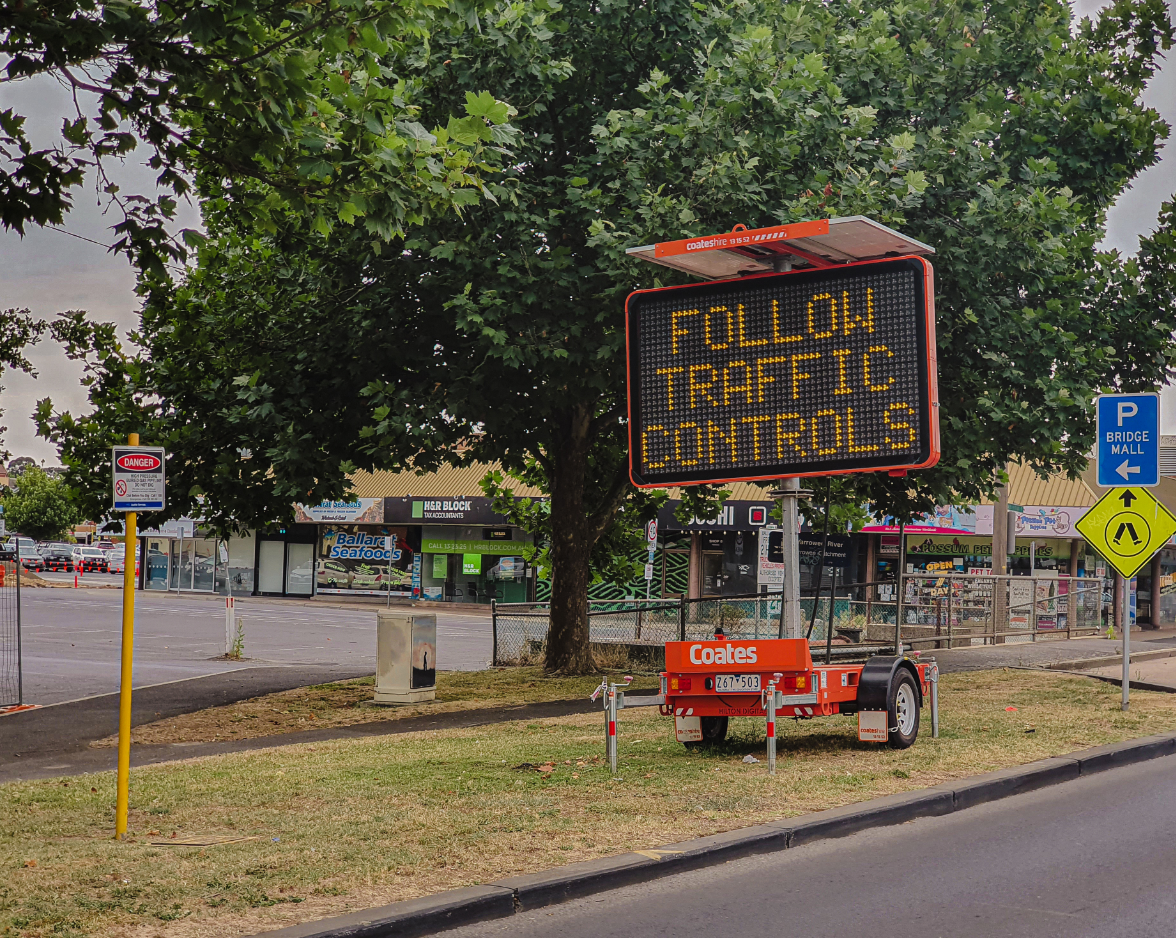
{"x": 123, "y": 775}
{"x": 1127, "y": 526}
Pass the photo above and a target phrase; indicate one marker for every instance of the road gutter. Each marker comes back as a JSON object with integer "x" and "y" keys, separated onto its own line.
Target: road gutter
{"x": 431, "y": 914}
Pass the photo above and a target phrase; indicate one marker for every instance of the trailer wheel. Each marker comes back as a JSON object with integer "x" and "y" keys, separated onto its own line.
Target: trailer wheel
{"x": 903, "y": 711}
{"x": 714, "y": 730}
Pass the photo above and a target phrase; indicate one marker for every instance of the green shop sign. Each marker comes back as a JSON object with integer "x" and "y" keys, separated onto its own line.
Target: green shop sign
{"x": 439, "y": 545}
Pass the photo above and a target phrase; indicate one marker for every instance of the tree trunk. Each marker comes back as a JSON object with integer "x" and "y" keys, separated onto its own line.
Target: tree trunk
{"x": 572, "y": 539}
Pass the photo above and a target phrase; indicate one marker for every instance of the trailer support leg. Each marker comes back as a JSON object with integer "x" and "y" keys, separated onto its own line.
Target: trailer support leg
{"x": 934, "y": 701}
{"x": 770, "y": 709}
{"x": 611, "y": 717}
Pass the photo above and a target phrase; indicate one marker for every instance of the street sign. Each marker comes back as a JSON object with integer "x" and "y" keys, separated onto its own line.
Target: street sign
{"x": 651, "y": 532}
{"x": 1128, "y": 439}
{"x": 1127, "y": 526}
{"x": 812, "y": 372}
{"x": 138, "y": 482}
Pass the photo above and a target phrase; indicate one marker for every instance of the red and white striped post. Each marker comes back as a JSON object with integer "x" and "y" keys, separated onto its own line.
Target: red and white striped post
{"x": 770, "y": 710}
{"x": 611, "y": 710}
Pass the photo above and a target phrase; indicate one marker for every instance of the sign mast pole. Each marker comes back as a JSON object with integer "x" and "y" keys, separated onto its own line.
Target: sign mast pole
{"x": 1126, "y": 643}
{"x": 130, "y": 529}
{"x": 790, "y": 548}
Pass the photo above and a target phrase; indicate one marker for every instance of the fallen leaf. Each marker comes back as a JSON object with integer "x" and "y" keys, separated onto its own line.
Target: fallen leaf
{"x": 647, "y": 775}
{"x": 30, "y": 864}
{"x": 575, "y": 775}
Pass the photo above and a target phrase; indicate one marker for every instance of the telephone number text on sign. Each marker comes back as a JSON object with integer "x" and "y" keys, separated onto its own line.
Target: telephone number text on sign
{"x": 803, "y": 373}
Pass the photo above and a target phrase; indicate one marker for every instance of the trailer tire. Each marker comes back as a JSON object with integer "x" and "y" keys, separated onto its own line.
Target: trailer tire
{"x": 714, "y": 730}
{"x": 902, "y": 710}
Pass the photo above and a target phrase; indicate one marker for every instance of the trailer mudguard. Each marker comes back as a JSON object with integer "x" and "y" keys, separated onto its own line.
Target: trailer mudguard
{"x": 877, "y": 675}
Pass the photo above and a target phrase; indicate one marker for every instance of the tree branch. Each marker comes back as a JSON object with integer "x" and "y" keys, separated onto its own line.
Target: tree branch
{"x": 617, "y": 492}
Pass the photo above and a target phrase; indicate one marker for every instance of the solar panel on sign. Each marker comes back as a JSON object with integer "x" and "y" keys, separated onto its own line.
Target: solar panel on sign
{"x": 804, "y": 373}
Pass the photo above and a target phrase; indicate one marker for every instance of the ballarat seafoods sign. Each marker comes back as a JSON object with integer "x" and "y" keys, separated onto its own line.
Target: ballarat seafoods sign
{"x": 357, "y": 561}
{"x": 804, "y": 373}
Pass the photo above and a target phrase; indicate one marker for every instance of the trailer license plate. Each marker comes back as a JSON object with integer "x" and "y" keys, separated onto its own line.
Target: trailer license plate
{"x": 737, "y": 683}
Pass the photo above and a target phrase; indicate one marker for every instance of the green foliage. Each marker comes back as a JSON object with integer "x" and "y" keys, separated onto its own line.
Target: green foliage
{"x": 18, "y": 330}
{"x": 302, "y": 107}
{"x": 39, "y": 506}
{"x": 994, "y": 131}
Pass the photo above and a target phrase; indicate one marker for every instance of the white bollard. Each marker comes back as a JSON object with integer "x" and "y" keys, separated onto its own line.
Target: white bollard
{"x": 230, "y": 625}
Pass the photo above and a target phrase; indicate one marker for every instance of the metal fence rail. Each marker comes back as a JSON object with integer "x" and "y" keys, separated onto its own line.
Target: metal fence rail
{"x": 520, "y": 629}
{"x": 938, "y": 611}
{"x": 11, "y": 689}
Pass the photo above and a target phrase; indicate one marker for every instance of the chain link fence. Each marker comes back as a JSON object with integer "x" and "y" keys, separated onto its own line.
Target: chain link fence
{"x": 11, "y": 689}
{"x": 520, "y": 629}
{"x": 938, "y": 611}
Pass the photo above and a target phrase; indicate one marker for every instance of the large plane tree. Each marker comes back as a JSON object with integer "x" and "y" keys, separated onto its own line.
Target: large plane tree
{"x": 1000, "y": 132}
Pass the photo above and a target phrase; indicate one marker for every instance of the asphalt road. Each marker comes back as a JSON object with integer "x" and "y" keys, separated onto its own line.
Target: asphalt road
{"x": 1092, "y": 857}
{"x": 71, "y": 639}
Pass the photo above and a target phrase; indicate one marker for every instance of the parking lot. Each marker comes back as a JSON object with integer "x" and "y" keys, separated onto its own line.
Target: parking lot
{"x": 71, "y": 638}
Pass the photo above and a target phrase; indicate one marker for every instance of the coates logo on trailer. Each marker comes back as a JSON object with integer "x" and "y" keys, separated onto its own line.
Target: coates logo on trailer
{"x": 724, "y": 654}
{"x": 139, "y": 462}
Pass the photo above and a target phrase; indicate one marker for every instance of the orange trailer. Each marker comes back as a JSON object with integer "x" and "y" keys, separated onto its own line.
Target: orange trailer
{"x": 708, "y": 682}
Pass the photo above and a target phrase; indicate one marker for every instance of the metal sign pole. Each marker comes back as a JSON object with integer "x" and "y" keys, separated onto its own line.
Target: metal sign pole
{"x": 123, "y": 774}
{"x": 898, "y": 606}
{"x": 1126, "y": 643}
{"x": 790, "y": 626}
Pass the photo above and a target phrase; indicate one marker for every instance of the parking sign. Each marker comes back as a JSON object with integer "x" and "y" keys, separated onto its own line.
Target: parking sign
{"x": 1128, "y": 439}
{"x": 138, "y": 476}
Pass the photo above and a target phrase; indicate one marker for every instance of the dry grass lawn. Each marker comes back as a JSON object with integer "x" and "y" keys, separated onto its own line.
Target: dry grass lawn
{"x": 349, "y": 824}
{"x": 346, "y": 703}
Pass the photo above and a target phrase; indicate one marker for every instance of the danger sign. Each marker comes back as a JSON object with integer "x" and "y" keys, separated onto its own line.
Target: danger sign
{"x": 138, "y": 478}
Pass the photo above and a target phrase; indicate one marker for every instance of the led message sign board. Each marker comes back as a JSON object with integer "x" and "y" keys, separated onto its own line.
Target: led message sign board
{"x": 812, "y": 372}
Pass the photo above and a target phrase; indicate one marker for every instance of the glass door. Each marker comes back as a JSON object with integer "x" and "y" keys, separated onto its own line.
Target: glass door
{"x": 158, "y": 561}
{"x": 299, "y": 569}
{"x": 203, "y": 564}
{"x": 270, "y": 572}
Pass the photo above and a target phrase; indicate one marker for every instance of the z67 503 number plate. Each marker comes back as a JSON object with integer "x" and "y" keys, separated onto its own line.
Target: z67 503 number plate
{"x": 737, "y": 683}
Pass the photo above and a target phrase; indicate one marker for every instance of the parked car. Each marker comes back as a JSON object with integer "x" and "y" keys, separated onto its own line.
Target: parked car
{"x": 58, "y": 557}
{"x": 30, "y": 557}
{"x": 89, "y": 559}
{"x": 116, "y": 560}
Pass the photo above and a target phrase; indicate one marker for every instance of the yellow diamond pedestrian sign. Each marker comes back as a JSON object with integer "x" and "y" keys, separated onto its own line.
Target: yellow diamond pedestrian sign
{"x": 1127, "y": 526}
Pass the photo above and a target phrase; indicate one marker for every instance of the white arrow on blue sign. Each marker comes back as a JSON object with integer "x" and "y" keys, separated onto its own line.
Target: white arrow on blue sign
{"x": 1128, "y": 439}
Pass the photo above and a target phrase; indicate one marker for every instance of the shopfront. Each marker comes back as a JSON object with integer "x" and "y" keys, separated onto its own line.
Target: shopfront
{"x": 441, "y": 549}
{"x": 182, "y": 556}
{"x": 717, "y": 556}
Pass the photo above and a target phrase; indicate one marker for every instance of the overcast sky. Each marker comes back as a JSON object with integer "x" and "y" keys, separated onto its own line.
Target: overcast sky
{"x": 49, "y": 271}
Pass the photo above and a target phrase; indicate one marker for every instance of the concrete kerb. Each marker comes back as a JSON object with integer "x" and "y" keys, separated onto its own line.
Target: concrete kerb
{"x": 412, "y": 917}
{"x": 447, "y": 910}
{"x": 1103, "y": 661}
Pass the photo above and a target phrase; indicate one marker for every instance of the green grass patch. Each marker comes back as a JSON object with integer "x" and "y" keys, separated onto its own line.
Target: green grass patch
{"x": 356, "y": 823}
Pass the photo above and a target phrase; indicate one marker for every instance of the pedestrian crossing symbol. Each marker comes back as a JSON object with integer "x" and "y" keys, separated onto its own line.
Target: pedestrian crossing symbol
{"x": 1127, "y": 526}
